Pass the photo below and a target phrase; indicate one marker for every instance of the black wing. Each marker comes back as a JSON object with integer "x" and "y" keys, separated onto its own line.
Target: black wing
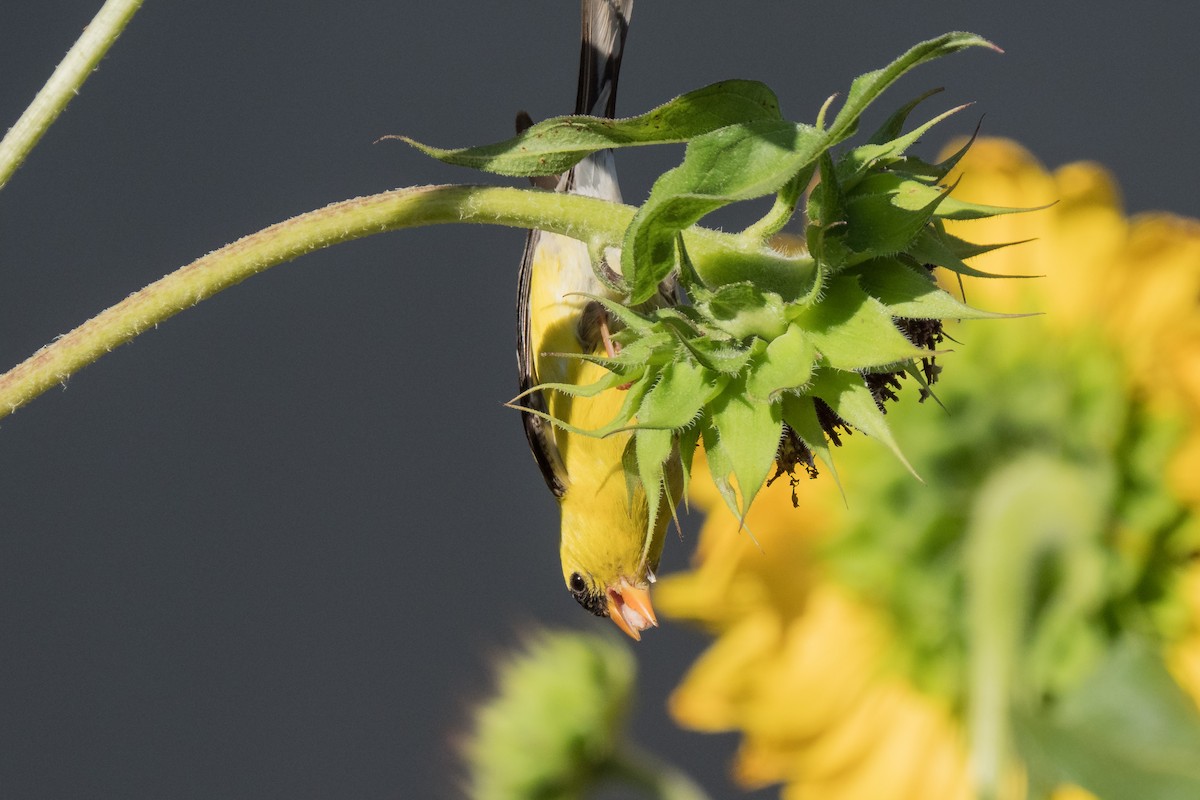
{"x": 537, "y": 430}
{"x": 605, "y": 24}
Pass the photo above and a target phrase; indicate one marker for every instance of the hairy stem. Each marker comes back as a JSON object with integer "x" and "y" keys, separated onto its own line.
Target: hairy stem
{"x": 340, "y": 222}
{"x": 1034, "y": 509}
{"x": 598, "y": 222}
{"x": 658, "y": 779}
{"x": 64, "y": 84}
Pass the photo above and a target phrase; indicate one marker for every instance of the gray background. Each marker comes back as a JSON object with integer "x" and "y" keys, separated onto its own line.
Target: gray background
{"x": 251, "y": 555}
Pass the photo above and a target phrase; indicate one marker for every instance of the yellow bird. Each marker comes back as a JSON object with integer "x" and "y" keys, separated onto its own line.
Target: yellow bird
{"x": 607, "y": 563}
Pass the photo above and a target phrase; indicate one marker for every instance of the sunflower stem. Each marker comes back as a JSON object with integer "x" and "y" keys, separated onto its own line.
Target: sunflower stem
{"x": 284, "y": 241}
{"x": 997, "y": 558}
{"x": 1035, "y": 508}
{"x": 64, "y": 83}
{"x": 580, "y": 217}
{"x": 781, "y": 211}
{"x": 657, "y": 778}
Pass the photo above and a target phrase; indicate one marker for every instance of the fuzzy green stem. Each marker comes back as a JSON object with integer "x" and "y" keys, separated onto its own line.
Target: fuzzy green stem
{"x": 1033, "y": 508}
{"x": 782, "y": 210}
{"x": 584, "y": 218}
{"x": 656, "y": 778}
{"x": 995, "y": 611}
{"x": 64, "y": 84}
{"x": 340, "y": 222}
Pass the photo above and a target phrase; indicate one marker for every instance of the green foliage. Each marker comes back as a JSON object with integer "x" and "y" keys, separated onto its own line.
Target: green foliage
{"x": 554, "y": 728}
{"x": 770, "y": 338}
{"x": 1033, "y": 578}
{"x": 1033, "y": 581}
{"x": 555, "y": 721}
{"x": 555, "y": 145}
{"x": 1127, "y": 732}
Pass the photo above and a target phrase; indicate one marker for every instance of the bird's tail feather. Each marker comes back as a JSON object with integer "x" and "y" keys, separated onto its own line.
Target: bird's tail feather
{"x": 605, "y": 24}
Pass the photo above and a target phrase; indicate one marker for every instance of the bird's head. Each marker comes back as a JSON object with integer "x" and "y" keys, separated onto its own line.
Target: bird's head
{"x": 607, "y": 565}
{"x": 609, "y": 548}
{"x": 625, "y": 602}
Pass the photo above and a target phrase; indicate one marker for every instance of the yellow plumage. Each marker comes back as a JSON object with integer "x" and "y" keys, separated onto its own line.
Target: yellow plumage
{"x": 603, "y": 532}
{"x": 609, "y": 549}
{"x": 607, "y": 561}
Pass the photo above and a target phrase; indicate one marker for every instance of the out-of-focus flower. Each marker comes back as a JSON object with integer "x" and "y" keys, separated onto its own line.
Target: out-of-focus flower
{"x": 555, "y": 720}
{"x": 554, "y": 730}
{"x": 910, "y": 640}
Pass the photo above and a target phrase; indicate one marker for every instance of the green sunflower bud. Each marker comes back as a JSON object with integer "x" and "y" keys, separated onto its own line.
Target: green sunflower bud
{"x": 554, "y": 730}
{"x": 553, "y": 725}
{"x": 786, "y": 343}
{"x": 780, "y": 343}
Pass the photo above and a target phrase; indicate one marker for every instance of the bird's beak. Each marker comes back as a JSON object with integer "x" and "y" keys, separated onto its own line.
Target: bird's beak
{"x": 629, "y": 607}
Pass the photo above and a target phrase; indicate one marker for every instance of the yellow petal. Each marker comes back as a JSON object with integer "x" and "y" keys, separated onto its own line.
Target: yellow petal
{"x": 1072, "y": 793}
{"x": 713, "y": 692}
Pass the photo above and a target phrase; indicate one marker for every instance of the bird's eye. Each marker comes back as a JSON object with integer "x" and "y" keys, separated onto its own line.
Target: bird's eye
{"x": 583, "y": 594}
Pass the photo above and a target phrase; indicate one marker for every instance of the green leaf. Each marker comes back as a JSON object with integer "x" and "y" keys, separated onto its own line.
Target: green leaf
{"x": 750, "y": 434}
{"x": 633, "y": 399}
{"x": 636, "y": 351}
{"x": 627, "y": 316}
{"x": 852, "y": 330}
{"x": 848, "y": 396}
{"x": 605, "y": 383}
{"x": 883, "y": 217}
{"x": 784, "y": 207}
{"x": 744, "y": 309}
{"x": 737, "y": 162}
{"x": 930, "y": 247}
{"x": 900, "y": 190}
{"x": 675, "y": 401}
{"x": 688, "y": 276}
{"x": 726, "y": 357}
{"x": 744, "y": 161}
{"x": 957, "y": 209}
{"x": 911, "y": 292}
{"x": 963, "y": 249}
{"x": 1128, "y": 732}
{"x": 789, "y": 276}
{"x": 894, "y": 125}
{"x": 555, "y": 145}
{"x": 653, "y": 448}
{"x": 942, "y": 169}
{"x": 867, "y": 87}
{"x": 786, "y": 364}
{"x": 629, "y": 467}
{"x": 855, "y": 163}
{"x": 720, "y": 467}
{"x": 687, "y": 440}
{"x": 826, "y": 202}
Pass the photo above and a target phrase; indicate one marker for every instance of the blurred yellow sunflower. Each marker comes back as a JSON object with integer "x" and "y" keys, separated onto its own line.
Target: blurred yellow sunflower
{"x": 1006, "y": 628}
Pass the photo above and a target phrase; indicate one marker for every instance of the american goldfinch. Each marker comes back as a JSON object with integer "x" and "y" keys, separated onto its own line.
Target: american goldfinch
{"x": 607, "y": 562}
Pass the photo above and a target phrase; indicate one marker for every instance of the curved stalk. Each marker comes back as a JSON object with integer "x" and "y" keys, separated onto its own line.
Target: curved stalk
{"x": 79, "y": 62}
{"x": 1035, "y": 508}
{"x": 284, "y": 241}
{"x": 596, "y": 221}
{"x": 658, "y": 779}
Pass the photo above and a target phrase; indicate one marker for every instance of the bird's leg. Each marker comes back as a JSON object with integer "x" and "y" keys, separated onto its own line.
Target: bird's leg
{"x": 610, "y": 347}
{"x": 594, "y": 324}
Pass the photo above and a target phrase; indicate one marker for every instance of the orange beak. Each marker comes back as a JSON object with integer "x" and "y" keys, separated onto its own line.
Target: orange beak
{"x": 629, "y": 607}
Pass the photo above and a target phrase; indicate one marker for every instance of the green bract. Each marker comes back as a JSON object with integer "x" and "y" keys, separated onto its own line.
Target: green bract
{"x": 777, "y": 344}
{"x": 555, "y": 721}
